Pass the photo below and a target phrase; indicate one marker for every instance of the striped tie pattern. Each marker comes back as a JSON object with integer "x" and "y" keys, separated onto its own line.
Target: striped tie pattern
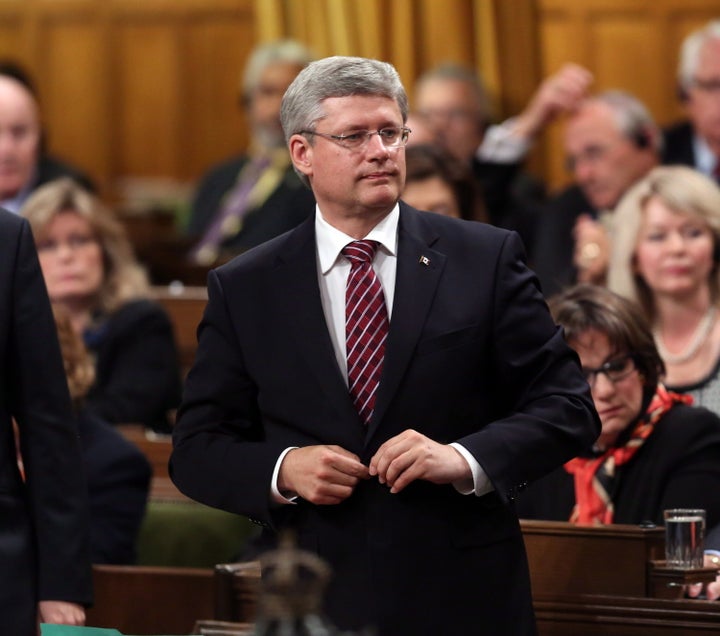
{"x": 366, "y": 326}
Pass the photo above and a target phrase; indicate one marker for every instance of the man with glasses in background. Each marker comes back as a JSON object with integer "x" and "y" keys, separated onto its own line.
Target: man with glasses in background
{"x": 696, "y": 142}
{"x": 382, "y": 381}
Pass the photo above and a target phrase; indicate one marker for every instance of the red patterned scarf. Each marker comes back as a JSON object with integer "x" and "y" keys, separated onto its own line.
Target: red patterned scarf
{"x": 596, "y": 476}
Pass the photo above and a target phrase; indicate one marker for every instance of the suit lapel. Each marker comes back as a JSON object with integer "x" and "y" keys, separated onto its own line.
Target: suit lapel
{"x": 297, "y": 287}
{"x": 418, "y": 272}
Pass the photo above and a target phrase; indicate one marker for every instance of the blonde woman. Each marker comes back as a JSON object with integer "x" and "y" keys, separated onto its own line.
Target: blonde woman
{"x": 665, "y": 256}
{"x": 91, "y": 273}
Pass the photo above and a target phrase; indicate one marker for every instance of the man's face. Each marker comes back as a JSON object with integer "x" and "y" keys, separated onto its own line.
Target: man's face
{"x": 604, "y": 162}
{"x": 365, "y": 181}
{"x": 19, "y": 137}
{"x": 451, "y": 110}
{"x": 703, "y": 96}
{"x": 265, "y": 100}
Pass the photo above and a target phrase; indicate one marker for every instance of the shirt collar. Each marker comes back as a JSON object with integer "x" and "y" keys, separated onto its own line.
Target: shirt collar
{"x": 15, "y": 203}
{"x": 705, "y": 160}
{"x": 330, "y": 240}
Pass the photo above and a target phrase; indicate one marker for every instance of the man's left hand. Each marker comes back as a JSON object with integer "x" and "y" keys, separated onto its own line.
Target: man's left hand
{"x": 61, "y": 613}
{"x": 410, "y": 456}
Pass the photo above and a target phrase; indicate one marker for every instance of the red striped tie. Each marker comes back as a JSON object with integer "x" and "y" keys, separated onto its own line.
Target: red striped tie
{"x": 366, "y": 326}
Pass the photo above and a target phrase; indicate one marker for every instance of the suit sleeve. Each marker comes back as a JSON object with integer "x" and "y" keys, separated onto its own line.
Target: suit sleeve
{"x": 552, "y": 416}
{"x": 219, "y": 423}
{"x": 49, "y": 442}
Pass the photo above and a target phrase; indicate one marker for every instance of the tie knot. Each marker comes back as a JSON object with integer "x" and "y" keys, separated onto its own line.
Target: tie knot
{"x": 360, "y": 251}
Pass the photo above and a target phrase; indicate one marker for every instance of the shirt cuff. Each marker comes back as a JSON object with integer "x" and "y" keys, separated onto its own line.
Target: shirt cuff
{"x": 277, "y": 496}
{"x": 479, "y": 482}
{"x": 501, "y": 145}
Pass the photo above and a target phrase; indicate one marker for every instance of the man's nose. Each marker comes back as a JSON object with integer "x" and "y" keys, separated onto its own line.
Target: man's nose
{"x": 376, "y": 146}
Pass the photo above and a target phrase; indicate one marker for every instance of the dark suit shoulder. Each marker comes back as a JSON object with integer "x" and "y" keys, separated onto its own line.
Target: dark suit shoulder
{"x": 678, "y": 144}
{"x": 51, "y": 168}
{"x": 266, "y": 254}
{"x": 10, "y": 222}
{"x": 139, "y": 310}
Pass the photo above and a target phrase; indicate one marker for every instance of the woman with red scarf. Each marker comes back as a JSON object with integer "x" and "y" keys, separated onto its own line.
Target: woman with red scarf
{"x": 655, "y": 451}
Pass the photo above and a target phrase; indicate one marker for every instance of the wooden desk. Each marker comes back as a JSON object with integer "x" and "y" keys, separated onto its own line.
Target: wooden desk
{"x": 569, "y": 559}
{"x": 150, "y": 600}
{"x": 185, "y": 306}
{"x": 596, "y": 615}
{"x": 605, "y": 580}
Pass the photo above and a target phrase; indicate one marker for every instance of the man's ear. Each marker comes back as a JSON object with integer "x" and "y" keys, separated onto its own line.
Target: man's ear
{"x": 301, "y": 154}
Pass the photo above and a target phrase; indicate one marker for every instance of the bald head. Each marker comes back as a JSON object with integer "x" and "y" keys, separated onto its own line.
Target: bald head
{"x": 610, "y": 143}
{"x": 19, "y": 136}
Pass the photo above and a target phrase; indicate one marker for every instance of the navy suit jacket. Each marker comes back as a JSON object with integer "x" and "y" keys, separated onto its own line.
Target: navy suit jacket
{"x": 472, "y": 356}
{"x": 43, "y": 519}
{"x": 678, "y": 145}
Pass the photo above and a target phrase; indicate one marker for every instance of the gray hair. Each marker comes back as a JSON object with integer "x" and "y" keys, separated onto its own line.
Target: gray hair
{"x": 287, "y": 51}
{"x": 690, "y": 51}
{"x": 458, "y": 73}
{"x": 679, "y": 188}
{"x": 632, "y": 117}
{"x": 336, "y": 76}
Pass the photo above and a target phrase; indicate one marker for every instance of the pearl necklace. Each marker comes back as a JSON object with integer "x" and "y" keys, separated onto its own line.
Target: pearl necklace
{"x": 701, "y": 334}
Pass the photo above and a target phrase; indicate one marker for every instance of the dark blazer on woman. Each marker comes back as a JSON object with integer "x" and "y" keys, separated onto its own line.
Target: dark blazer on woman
{"x": 472, "y": 356}
{"x": 43, "y": 519}
{"x": 118, "y": 478}
{"x": 678, "y": 466}
{"x": 137, "y": 366}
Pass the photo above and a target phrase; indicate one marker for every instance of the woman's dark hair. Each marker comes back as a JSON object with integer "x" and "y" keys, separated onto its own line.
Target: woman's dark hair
{"x": 424, "y": 161}
{"x": 584, "y": 307}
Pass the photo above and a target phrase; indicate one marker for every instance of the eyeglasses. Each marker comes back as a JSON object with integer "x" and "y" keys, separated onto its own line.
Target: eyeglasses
{"x": 707, "y": 85}
{"x": 74, "y": 242}
{"x": 391, "y": 137}
{"x": 614, "y": 370}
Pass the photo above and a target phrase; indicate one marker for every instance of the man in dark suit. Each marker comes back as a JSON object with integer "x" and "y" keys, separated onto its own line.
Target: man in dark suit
{"x": 395, "y": 455}
{"x": 44, "y": 562}
{"x": 696, "y": 141}
{"x": 24, "y": 163}
{"x": 256, "y": 196}
{"x": 611, "y": 141}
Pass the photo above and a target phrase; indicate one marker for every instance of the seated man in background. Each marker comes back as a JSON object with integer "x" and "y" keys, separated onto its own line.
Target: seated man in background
{"x": 255, "y": 196}
{"x": 696, "y": 141}
{"x": 611, "y": 142}
{"x": 24, "y": 164}
{"x": 117, "y": 473}
{"x": 453, "y": 104}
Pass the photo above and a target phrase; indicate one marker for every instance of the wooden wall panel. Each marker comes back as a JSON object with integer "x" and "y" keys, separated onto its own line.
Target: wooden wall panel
{"x": 11, "y": 40}
{"x": 74, "y": 92}
{"x": 438, "y": 42}
{"x": 215, "y": 125}
{"x": 148, "y": 134}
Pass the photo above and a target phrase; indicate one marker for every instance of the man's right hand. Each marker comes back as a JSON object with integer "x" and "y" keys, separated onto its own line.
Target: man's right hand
{"x": 322, "y": 475}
